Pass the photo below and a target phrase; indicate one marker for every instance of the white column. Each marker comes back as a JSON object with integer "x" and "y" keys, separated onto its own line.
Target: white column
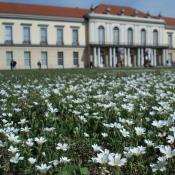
{"x": 114, "y": 57}
{"x": 164, "y": 57}
{"x": 99, "y": 58}
{"x": 155, "y": 57}
{"x": 95, "y": 57}
{"x": 110, "y": 57}
{"x": 129, "y": 58}
{"x": 138, "y": 57}
{"x": 125, "y": 57}
{"x": 142, "y": 57}
{"x": 152, "y": 57}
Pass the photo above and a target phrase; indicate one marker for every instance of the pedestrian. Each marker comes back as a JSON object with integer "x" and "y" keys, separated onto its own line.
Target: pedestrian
{"x": 39, "y": 64}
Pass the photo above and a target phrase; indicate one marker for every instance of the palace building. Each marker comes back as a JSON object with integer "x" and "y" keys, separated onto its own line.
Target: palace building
{"x": 102, "y": 36}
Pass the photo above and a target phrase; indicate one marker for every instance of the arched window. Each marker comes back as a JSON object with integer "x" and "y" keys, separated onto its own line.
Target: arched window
{"x": 130, "y": 36}
{"x": 155, "y": 37}
{"x": 116, "y": 35}
{"x": 101, "y": 35}
{"x": 143, "y": 37}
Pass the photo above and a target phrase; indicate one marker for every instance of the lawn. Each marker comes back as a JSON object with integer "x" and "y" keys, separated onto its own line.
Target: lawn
{"x": 87, "y": 122}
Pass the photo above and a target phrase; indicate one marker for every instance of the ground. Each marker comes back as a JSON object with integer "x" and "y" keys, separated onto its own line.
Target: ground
{"x": 87, "y": 122}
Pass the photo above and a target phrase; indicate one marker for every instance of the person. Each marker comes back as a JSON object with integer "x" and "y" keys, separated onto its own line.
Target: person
{"x": 91, "y": 64}
{"x": 13, "y": 64}
{"x": 39, "y": 64}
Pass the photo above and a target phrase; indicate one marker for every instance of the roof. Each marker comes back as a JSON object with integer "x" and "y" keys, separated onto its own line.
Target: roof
{"x": 44, "y": 10}
{"x": 58, "y": 11}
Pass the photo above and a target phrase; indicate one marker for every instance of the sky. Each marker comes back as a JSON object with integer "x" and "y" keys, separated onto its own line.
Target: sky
{"x": 155, "y": 7}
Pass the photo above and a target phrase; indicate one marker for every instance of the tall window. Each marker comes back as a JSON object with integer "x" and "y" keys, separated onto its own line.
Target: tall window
{"x": 27, "y": 59}
{"x": 143, "y": 37}
{"x": 101, "y": 35}
{"x": 44, "y": 59}
{"x": 43, "y": 33}
{"x": 60, "y": 59}
{"x": 116, "y": 35}
{"x": 75, "y": 37}
{"x": 130, "y": 36}
{"x": 170, "y": 40}
{"x": 26, "y": 34}
{"x": 155, "y": 37}
{"x": 60, "y": 36}
{"x": 9, "y": 58}
{"x": 75, "y": 58}
{"x": 8, "y": 34}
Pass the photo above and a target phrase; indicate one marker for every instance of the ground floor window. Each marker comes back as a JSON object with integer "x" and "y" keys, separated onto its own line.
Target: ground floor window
{"x": 60, "y": 59}
{"x": 44, "y": 59}
{"x": 9, "y": 57}
{"x": 75, "y": 58}
{"x": 27, "y": 59}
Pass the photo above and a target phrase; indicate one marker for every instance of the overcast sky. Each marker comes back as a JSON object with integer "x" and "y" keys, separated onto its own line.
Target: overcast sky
{"x": 165, "y": 7}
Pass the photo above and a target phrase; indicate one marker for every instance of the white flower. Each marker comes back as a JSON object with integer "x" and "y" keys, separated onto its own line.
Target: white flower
{"x": 159, "y": 124}
{"x": 102, "y": 157}
{"x": 116, "y": 160}
{"x": 64, "y": 160}
{"x": 86, "y": 134}
{"x": 160, "y": 165}
{"x": 29, "y": 142}
{"x": 13, "y": 149}
{"x": 104, "y": 135}
{"x": 16, "y": 158}
{"x": 124, "y": 133}
{"x": 43, "y": 168}
{"x": 170, "y": 139}
{"x": 96, "y": 148}
{"x": 40, "y": 140}
{"x": 54, "y": 162}
{"x": 22, "y": 121}
{"x": 149, "y": 142}
{"x": 63, "y": 147}
{"x": 32, "y": 160}
{"x": 139, "y": 131}
{"x": 13, "y": 138}
{"x": 168, "y": 151}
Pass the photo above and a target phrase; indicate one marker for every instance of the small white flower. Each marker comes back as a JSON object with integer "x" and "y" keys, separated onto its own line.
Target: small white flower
{"x": 116, "y": 160}
{"x": 140, "y": 131}
{"x": 29, "y": 142}
{"x": 43, "y": 168}
{"x": 63, "y": 147}
{"x": 64, "y": 160}
{"x": 96, "y": 148}
{"x": 13, "y": 149}
{"x": 32, "y": 160}
{"x": 40, "y": 140}
{"x": 16, "y": 158}
{"x": 104, "y": 135}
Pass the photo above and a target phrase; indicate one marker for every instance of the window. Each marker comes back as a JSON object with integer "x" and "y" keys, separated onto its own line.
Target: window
{"x": 26, "y": 35}
{"x": 27, "y": 59}
{"x": 75, "y": 58}
{"x": 170, "y": 40}
{"x": 116, "y": 35}
{"x": 43, "y": 31}
{"x": 60, "y": 36}
{"x": 9, "y": 57}
{"x": 44, "y": 59}
{"x": 130, "y": 36}
{"x": 8, "y": 34}
{"x": 143, "y": 37}
{"x": 75, "y": 36}
{"x": 155, "y": 37}
{"x": 60, "y": 59}
{"x": 101, "y": 35}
